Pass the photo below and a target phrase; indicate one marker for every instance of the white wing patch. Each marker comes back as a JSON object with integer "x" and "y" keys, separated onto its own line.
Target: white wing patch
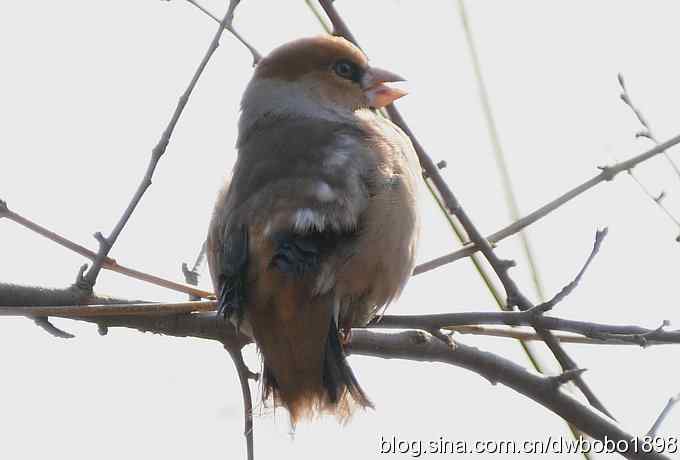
{"x": 324, "y": 192}
{"x": 307, "y": 219}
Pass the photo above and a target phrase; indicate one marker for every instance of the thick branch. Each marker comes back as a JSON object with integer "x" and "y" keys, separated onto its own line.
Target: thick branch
{"x": 37, "y": 298}
{"x": 35, "y": 301}
{"x": 406, "y": 345}
{"x": 420, "y": 346}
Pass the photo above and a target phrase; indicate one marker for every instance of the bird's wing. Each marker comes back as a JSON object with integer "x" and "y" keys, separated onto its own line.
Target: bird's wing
{"x": 297, "y": 194}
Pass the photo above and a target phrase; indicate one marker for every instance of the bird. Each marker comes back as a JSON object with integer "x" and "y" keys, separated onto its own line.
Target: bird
{"x": 316, "y": 229}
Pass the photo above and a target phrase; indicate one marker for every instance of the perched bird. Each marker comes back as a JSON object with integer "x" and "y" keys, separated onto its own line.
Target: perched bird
{"x": 317, "y": 229}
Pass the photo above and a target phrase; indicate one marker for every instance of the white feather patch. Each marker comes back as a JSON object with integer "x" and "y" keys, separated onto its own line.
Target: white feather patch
{"x": 306, "y": 219}
{"x": 324, "y": 192}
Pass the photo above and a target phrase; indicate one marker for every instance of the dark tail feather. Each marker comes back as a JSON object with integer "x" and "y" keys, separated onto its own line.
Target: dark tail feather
{"x": 338, "y": 387}
{"x": 338, "y": 378}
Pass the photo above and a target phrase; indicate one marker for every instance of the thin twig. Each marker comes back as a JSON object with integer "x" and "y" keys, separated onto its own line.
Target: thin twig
{"x": 44, "y": 323}
{"x": 230, "y": 27}
{"x": 526, "y": 335}
{"x": 107, "y": 263}
{"x": 191, "y": 275}
{"x": 647, "y": 132}
{"x": 127, "y": 309}
{"x": 662, "y": 416}
{"x": 610, "y": 333}
{"x": 244, "y": 375}
{"x": 566, "y": 290}
{"x": 658, "y": 199}
{"x": 606, "y": 174}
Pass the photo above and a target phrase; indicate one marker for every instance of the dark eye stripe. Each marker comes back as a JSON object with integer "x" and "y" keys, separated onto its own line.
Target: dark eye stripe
{"x": 345, "y": 68}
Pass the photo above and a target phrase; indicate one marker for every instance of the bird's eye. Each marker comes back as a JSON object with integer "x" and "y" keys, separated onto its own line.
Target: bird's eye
{"x": 346, "y": 69}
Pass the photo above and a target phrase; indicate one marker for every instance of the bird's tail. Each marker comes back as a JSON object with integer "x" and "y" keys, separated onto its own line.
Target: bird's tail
{"x": 336, "y": 390}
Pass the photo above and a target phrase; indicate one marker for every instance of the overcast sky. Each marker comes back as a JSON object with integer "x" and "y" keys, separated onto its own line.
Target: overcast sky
{"x": 87, "y": 88}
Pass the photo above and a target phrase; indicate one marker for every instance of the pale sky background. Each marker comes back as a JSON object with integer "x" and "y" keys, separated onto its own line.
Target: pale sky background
{"x": 87, "y": 88}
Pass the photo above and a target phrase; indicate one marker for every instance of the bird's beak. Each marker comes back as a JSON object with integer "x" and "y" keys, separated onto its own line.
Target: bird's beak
{"x": 378, "y": 94}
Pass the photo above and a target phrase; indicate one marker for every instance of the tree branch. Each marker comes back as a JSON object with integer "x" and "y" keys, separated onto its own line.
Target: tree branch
{"x": 244, "y": 375}
{"x": 420, "y": 346}
{"x": 662, "y": 416}
{"x": 107, "y": 263}
{"x": 230, "y": 27}
{"x": 606, "y": 174}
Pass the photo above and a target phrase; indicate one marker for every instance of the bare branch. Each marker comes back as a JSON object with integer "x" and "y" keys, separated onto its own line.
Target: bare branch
{"x": 606, "y": 333}
{"x": 117, "y": 309}
{"x": 406, "y": 345}
{"x": 230, "y": 27}
{"x": 18, "y": 296}
{"x": 191, "y": 275}
{"x": 662, "y": 416}
{"x": 420, "y": 346}
{"x": 525, "y": 335}
{"x": 606, "y": 174}
{"x": 566, "y": 290}
{"x": 647, "y": 131}
{"x": 413, "y": 345}
{"x": 648, "y": 134}
{"x": 244, "y": 375}
{"x": 107, "y": 263}
{"x": 51, "y": 329}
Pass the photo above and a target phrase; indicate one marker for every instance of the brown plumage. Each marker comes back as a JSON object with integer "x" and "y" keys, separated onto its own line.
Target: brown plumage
{"x": 317, "y": 228}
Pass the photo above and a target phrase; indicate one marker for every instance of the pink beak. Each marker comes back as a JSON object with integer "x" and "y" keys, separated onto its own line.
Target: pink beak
{"x": 378, "y": 94}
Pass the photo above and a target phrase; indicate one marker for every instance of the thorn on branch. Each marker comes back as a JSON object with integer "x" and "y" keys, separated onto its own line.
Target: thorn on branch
{"x": 566, "y": 290}
{"x": 507, "y": 264}
{"x": 190, "y": 277}
{"x": 660, "y": 197}
{"x": 646, "y": 134}
{"x": 81, "y": 282}
{"x": 566, "y": 376}
{"x": 101, "y": 239}
{"x": 44, "y": 323}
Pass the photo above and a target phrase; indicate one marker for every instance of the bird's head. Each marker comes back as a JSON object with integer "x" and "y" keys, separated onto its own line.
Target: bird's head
{"x": 316, "y": 77}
